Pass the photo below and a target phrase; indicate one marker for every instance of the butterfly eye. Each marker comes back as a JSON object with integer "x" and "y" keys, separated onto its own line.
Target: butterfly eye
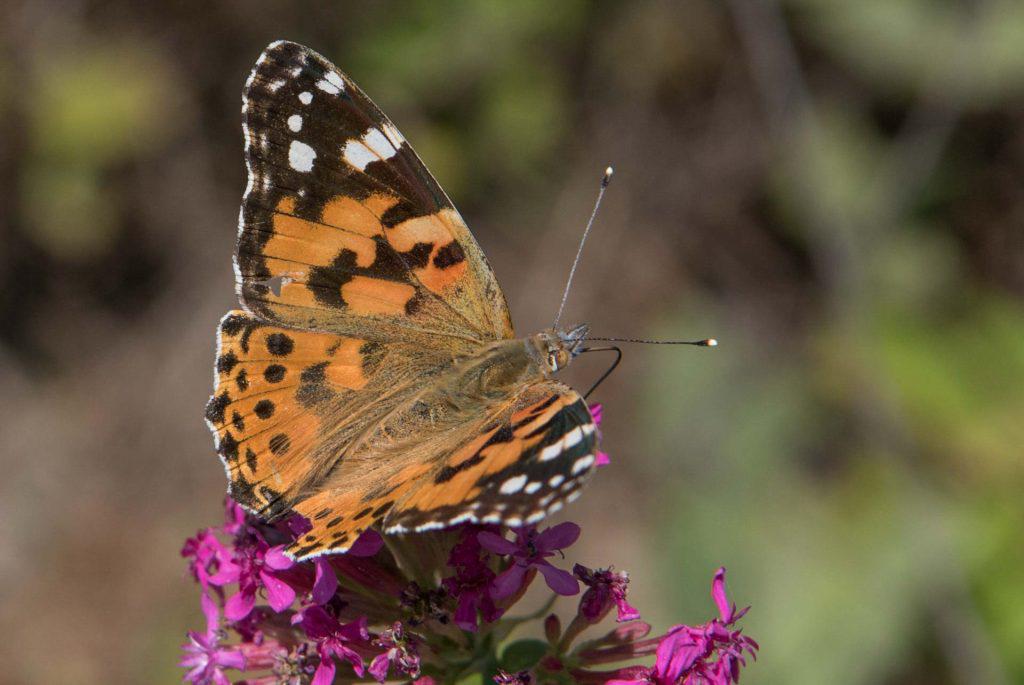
{"x": 553, "y": 361}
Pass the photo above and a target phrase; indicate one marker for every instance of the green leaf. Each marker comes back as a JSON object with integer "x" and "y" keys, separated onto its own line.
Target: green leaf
{"x": 522, "y": 655}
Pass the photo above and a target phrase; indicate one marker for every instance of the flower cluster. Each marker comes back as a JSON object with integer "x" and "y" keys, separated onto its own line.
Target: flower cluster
{"x": 384, "y": 612}
{"x": 430, "y": 608}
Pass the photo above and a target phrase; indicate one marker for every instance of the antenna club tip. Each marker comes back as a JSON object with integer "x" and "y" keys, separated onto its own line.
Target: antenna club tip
{"x": 607, "y": 176}
{"x": 710, "y": 342}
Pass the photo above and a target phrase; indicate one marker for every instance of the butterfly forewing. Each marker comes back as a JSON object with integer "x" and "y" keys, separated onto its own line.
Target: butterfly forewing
{"x": 344, "y": 215}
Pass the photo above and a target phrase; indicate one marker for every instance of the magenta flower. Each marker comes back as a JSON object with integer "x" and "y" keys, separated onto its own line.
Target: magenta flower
{"x": 471, "y": 583}
{"x": 257, "y": 565}
{"x": 204, "y": 658}
{"x": 400, "y": 653}
{"x": 332, "y": 639}
{"x": 530, "y": 551}
{"x": 605, "y": 588}
{"x": 596, "y": 411}
{"x": 209, "y": 560}
{"x": 707, "y": 655}
{"x": 234, "y": 517}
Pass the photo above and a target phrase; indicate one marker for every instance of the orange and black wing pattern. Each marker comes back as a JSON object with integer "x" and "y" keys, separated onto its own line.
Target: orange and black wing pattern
{"x": 342, "y": 228}
{"x": 287, "y": 403}
{"x": 524, "y": 466}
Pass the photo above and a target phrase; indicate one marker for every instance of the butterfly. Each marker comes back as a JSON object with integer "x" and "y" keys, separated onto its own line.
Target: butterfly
{"x": 372, "y": 376}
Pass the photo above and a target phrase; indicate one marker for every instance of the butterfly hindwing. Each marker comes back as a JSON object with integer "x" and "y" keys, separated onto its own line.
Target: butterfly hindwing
{"x": 526, "y": 465}
{"x": 288, "y": 403}
{"x": 342, "y": 228}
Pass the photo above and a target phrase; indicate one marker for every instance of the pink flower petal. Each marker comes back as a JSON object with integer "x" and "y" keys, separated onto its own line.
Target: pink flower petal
{"x": 496, "y": 543}
{"x": 324, "y": 672}
{"x": 601, "y": 458}
{"x": 239, "y": 605}
{"x": 326, "y": 583}
{"x": 211, "y": 612}
{"x": 280, "y": 595}
{"x": 465, "y": 613}
{"x": 367, "y": 544}
{"x": 379, "y": 667}
{"x": 725, "y": 610}
{"x": 508, "y": 582}
{"x": 557, "y": 537}
{"x": 276, "y": 559}
{"x": 558, "y": 580}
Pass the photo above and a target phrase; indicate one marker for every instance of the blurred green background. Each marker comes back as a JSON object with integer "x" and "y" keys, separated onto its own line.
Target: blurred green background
{"x": 833, "y": 189}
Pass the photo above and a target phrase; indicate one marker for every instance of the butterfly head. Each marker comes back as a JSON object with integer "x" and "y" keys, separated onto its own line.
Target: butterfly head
{"x": 556, "y": 348}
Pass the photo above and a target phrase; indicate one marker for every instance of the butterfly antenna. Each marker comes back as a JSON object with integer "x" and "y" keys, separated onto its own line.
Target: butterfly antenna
{"x": 572, "y": 272}
{"x": 707, "y": 342}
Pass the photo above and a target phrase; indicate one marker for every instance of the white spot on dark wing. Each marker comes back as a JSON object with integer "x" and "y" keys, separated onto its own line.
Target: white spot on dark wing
{"x": 275, "y": 86}
{"x": 557, "y": 506}
{"x": 334, "y": 78}
{"x": 379, "y": 143}
{"x": 582, "y": 464}
{"x": 556, "y": 480}
{"x": 573, "y": 496}
{"x": 534, "y": 517}
{"x": 357, "y": 154}
{"x": 393, "y": 134}
{"x": 551, "y": 451}
{"x": 514, "y": 521}
{"x": 295, "y": 123}
{"x": 513, "y": 485}
{"x": 331, "y": 83}
{"x": 301, "y": 156}
{"x": 305, "y": 97}
{"x": 532, "y": 487}
{"x": 572, "y": 437}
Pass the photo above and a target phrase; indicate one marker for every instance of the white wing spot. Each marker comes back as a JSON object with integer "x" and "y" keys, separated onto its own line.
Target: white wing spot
{"x": 393, "y": 134}
{"x": 557, "y": 506}
{"x": 534, "y": 517}
{"x": 275, "y": 86}
{"x": 295, "y": 123}
{"x": 331, "y": 83}
{"x": 551, "y": 451}
{"x": 573, "y": 496}
{"x": 379, "y": 143}
{"x": 556, "y": 480}
{"x": 301, "y": 156}
{"x": 532, "y": 487}
{"x": 336, "y": 80}
{"x": 357, "y": 154}
{"x": 572, "y": 437}
{"x": 514, "y": 521}
{"x": 512, "y": 485}
{"x": 582, "y": 464}
{"x": 305, "y": 97}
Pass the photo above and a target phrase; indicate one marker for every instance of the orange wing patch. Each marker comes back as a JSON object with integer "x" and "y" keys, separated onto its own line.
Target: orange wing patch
{"x": 270, "y": 384}
{"x": 522, "y": 468}
{"x": 339, "y": 516}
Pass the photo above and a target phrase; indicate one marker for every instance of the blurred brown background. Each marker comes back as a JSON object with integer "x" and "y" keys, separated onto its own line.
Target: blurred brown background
{"x": 833, "y": 189}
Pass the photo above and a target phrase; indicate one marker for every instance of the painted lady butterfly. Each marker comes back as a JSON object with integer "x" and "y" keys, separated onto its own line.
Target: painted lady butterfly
{"x": 372, "y": 377}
